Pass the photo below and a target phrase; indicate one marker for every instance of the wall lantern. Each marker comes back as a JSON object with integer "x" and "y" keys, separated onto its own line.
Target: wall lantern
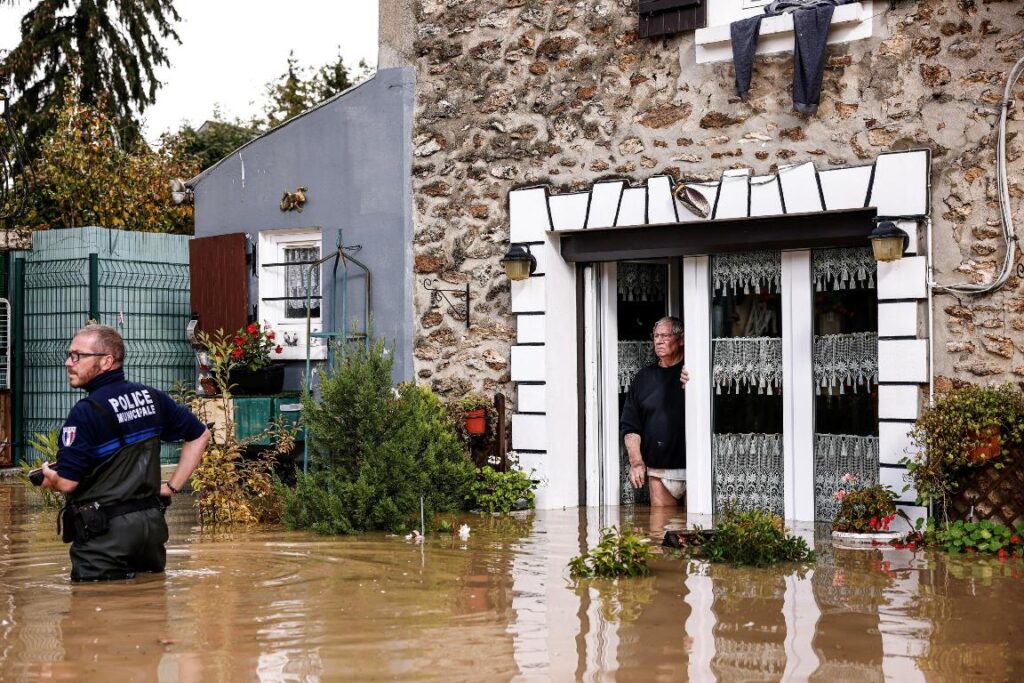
{"x": 888, "y": 242}
{"x": 518, "y": 262}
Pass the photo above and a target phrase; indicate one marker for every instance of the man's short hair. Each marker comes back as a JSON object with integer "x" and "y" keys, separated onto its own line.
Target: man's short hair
{"x": 108, "y": 339}
{"x": 677, "y": 325}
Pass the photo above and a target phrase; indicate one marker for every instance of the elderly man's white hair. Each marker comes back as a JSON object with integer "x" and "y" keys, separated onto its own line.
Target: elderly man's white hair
{"x": 677, "y": 324}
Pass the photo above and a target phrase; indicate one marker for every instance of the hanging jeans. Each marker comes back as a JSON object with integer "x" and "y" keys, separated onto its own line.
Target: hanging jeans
{"x": 810, "y": 29}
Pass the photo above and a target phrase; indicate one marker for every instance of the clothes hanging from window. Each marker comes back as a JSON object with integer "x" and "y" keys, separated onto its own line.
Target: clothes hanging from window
{"x": 811, "y": 22}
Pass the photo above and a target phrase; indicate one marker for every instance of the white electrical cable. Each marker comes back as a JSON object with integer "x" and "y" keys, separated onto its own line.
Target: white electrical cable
{"x": 1005, "y": 213}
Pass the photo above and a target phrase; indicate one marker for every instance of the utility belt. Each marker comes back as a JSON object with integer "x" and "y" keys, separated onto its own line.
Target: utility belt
{"x": 83, "y": 522}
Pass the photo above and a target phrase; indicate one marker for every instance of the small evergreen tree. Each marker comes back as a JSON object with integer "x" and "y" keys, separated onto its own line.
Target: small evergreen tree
{"x": 375, "y": 452}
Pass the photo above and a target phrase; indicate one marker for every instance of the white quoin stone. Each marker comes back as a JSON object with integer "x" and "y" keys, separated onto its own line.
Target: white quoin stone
{"x": 734, "y": 194}
{"x": 765, "y": 197}
{"x": 845, "y": 188}
{"x": 528, "y": 215}
{"x": 660, "y": 203}
{"x": 901, "y": 184}
{"x": 800, "y": 188}
{"x": 633, "y": 207}
{"x": 903, "y": 360}
{"x": 897, "y": 319}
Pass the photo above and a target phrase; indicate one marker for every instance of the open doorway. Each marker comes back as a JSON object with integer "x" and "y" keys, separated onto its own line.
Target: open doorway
{"x": 622, "y": 302}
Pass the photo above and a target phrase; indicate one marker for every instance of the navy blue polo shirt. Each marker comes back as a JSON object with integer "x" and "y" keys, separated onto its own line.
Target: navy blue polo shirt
{"x": 87, "y": 438}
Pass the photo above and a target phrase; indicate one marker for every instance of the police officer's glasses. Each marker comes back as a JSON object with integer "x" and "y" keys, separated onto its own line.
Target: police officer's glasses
{"x": 75, "y": 356}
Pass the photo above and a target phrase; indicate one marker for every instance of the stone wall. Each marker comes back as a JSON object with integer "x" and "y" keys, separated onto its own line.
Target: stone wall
{"x": 513, "y": 93}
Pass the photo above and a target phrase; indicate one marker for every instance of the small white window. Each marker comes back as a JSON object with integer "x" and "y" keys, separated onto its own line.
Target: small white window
{"x": 284, "y": 258}
{"x": 851, "y": 21}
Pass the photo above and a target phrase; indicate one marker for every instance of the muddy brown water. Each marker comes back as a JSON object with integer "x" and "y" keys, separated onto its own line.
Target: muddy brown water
{"x": 276, "y": 605}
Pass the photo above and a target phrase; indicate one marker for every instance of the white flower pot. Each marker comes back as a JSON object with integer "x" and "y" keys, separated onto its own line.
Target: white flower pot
{"x": 858, "y": 540}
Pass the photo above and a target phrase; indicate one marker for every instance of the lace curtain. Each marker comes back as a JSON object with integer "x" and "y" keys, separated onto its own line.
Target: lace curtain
{"x": 642, "y": 281}
{"x": 295, "y": 281}
{"x": 846, "y": 360}
{"x": 844, "y": 269}
{"x": 748, "y": 471}
{"x": 746, "y": 272}
{"x": 747, "y": 363}
{"x": 633, "y": 356}
{"x": 834, "y": 456}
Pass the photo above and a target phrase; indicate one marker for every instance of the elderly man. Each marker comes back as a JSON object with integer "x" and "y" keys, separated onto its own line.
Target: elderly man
{"x": 109, "y": 462}
{"x": 652, "y": 424}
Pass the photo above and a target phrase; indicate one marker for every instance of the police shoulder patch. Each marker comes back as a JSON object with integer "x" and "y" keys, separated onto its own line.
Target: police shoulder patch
{"x": 68, "y": 436}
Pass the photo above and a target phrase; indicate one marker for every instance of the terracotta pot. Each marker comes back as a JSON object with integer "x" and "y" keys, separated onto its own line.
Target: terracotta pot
{"x": 209, "y": 385}
{"x": 988, "y": 443}
{"x": 476, "y": 421}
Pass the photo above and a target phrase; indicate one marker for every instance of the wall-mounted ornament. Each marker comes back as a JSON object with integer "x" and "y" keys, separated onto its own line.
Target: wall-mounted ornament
{"x": 437, "y": 294}
{"x": 293, "y": 200}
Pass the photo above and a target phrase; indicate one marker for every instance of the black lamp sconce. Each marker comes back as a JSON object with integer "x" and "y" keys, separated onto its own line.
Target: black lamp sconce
{"x": 437, "y": 294}
{"x": 888, "y": 242}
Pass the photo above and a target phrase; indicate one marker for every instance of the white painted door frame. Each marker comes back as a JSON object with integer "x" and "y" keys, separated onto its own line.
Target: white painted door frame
{"x": 601, "y": 337}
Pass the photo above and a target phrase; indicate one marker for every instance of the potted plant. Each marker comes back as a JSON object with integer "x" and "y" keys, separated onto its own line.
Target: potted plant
{"x": 966, "y": 428}
{"x": 474, "y": 408}
{"x": 253, "y": 372}
{"x": 865, "y": 513}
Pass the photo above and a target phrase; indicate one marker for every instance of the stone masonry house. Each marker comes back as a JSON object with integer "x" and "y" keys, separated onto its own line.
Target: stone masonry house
{"x": 555, "y": 125}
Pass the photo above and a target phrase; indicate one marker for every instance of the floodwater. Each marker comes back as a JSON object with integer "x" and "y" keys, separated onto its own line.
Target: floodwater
{"x": 275, "y": 605}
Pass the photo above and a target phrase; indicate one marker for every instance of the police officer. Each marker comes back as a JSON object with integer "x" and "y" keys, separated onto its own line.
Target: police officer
{"x": 109, "y": 462}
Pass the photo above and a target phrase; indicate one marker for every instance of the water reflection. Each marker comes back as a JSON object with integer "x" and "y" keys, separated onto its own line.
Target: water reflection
{"x": 273, "y": 605}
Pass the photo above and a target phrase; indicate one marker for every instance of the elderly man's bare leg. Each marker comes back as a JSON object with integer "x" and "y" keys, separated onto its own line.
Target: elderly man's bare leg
{"x": 660, "y": 497}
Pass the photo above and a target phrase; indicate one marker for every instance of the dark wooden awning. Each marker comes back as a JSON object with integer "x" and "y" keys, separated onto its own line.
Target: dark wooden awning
{"x": 847, "y": 228}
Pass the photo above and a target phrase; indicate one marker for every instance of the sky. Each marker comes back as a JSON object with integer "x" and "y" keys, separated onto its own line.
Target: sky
{"x": 231, "y": 48}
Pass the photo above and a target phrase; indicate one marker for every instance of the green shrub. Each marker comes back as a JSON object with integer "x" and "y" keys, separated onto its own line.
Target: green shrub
{"x": 754, "y": 538}
{"x": 619, "y": 553}
{"x": 375, "y": 451}
{"x": 494, "y": 491}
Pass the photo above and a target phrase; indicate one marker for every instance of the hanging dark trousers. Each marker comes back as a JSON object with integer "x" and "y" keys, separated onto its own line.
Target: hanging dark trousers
{"x": 810, "y": 29}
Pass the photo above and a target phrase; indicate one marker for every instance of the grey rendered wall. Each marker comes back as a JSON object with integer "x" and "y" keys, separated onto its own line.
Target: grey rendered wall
{"x": 354, "y": 155}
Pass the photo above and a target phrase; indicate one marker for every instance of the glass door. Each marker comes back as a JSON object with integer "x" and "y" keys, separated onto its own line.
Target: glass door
{"x": 746, "y": 380}
{"x": 845, "y": 373}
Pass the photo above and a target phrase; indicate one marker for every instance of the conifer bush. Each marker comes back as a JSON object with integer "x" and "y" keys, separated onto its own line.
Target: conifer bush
{"x": 374, "y": 451}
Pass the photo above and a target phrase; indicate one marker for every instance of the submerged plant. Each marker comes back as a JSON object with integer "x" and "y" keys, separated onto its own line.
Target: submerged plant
{"x": 623, "y": 552}
{"x": 231, "y": 488}
{"x": 981, "y": 537}
{"x": 494, "y": 491}
{"x": 756, "y": 538}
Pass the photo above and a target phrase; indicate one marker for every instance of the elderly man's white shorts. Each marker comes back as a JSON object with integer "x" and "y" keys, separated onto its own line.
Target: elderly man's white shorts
{"x": 673, "y": 480}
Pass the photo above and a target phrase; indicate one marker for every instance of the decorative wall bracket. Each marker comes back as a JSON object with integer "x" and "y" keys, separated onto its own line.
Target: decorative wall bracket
{"x": 459, "y": 312}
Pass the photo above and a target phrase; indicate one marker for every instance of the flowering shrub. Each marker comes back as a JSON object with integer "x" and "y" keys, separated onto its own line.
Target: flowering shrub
{"x": 864, "y": 509}
{"x": 950, "y": 430}
{"x": 252, "y": 346}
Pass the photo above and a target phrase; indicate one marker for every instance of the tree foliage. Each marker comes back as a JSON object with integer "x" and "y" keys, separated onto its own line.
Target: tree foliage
{"x": 213, "y": 140}
{"x": 84, "y": 177}
{"x": 103, "y": 51}
{"x": 300, "y": 88}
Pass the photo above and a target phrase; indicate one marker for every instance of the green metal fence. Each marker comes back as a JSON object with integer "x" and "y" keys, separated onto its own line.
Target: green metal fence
{"x": 136, "y": 282}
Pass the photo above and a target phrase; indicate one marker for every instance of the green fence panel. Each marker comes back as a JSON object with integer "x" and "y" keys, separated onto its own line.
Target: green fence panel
{"x": 141, "y": 287}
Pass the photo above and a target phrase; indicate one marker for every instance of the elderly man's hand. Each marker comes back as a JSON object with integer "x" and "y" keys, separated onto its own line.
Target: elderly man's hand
{"x": 637, "y": 473}
{"x": 684, "y": 376}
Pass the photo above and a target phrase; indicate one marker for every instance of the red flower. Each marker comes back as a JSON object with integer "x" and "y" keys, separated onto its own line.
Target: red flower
{"x": 278, "y": 349}
{"x": 252, "y": 328}
{"x": 237, "y": 354}
{"x": 1015, "y": 539}
{"x": 270, "y": 335}
{"x": 1002, "y": 553}
{"x": 239, "y": 341}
